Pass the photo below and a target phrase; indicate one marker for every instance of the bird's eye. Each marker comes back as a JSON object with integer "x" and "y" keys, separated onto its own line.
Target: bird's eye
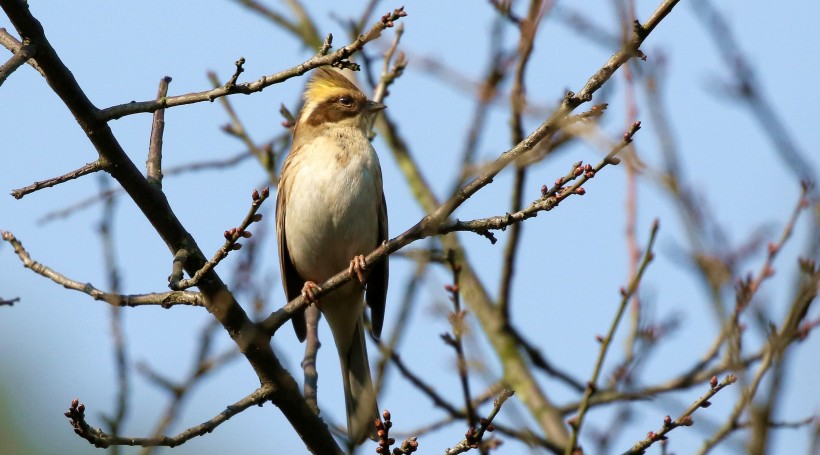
{"x": 346, "y": 100}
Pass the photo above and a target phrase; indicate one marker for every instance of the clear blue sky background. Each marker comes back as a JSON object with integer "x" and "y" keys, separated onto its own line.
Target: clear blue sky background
{"x": 55, "y": 344}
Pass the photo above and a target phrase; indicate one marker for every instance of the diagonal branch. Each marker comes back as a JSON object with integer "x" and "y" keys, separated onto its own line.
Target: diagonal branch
{"x": 99, "y": 438}
{"x": 626, "y": 295}
{"x": 340, "y": 56}
{"x": 16, "y": 61}
{"x": 163, "y": 299}
{"x": 89, "y": 168}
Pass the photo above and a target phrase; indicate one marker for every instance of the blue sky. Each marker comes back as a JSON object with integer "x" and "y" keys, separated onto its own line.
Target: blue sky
{"x": 55, "y": 346}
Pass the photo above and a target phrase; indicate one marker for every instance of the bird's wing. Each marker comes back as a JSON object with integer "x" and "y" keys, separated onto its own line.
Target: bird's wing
{"x": 291, "y": 280}
{"x": 377, "y": 278}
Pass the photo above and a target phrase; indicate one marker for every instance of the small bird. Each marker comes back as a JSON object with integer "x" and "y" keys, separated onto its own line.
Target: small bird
{"x": 330, "y": 211}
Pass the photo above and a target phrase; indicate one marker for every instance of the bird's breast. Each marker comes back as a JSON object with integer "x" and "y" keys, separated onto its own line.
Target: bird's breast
{"x": 333, "y": 204}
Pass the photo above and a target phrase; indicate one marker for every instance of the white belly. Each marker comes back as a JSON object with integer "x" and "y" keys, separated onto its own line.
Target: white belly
{"x": 332, "y": 207}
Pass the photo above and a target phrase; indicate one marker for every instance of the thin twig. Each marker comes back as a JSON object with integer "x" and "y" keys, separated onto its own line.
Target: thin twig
{"x": 204, "y": 363}
{"x": 232, "y": 237}
{"x": 474, "y": 436}
{"x": 16, "y": 61}
{"x": 390, "y": 73}
{"x": 528, "y": 29}
{"x": 776, "y": 345}
{"x": 626, "y": 294}
{"x": 85, "y": 170}
{"x": 153, "y": 164}
{"x": 459, "y": 325}
{"x": 338, "y": 57}
{"x": 549, "y": 199}
{"x": 237, "y": 129}
{"x": 684, "y": 420}
{"x": 304, "y": 28}
{"x": 9, "y": 302}
{"x": 121, "y": 363}
{"x": 174, "y": 170}
{"x": 163, "y": 299}
{"x": 99, "y": 438}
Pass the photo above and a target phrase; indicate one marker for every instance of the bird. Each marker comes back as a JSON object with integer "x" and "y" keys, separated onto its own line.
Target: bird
{"x": 330, "y": 212}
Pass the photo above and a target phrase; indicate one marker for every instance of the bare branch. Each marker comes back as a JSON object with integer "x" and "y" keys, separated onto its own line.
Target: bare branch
{"x": 626, "y": 294}
{"x": 336, "y": 58}
{"x": 153, "y": 165}
{"x": 9, "y": 302}
{"x": 550, "y": 198}
{"x": 163, "y": 299}
{"x": 175, "y": 170}
{"x": 17, "y": 60}
{"x": 684, "y": 420}
{"x": 85, "y": 170}
{"x": 99, "y": 438}
{"x": 459, "y": 325}
{"x": 232, "y": 237}
{"x": 474, "y": 436}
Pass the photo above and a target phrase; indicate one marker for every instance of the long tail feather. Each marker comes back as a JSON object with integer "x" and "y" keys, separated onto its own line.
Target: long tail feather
{"x": 360, "y": 397}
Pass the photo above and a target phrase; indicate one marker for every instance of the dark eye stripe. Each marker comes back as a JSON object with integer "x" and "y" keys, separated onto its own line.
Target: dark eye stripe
{"x": 333, "y": 111}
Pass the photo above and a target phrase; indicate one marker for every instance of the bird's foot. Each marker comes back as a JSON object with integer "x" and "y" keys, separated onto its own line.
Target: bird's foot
{"x": 309, "y": 290}
{"x": 358, "y": 266}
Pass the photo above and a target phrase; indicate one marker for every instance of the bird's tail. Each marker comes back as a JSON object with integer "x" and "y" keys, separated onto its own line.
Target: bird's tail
{"x": 360, "y": 397}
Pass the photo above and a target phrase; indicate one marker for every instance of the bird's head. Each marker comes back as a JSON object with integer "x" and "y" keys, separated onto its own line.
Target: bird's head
{"x": 332, "y": 100}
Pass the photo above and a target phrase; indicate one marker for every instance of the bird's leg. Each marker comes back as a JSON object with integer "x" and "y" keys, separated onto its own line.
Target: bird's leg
{"x": 358, "y": 266}
{"x": 308, "y": 291}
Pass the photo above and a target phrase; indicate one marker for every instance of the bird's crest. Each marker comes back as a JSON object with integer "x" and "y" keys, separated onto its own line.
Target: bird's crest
{"x": 327, "y": 83}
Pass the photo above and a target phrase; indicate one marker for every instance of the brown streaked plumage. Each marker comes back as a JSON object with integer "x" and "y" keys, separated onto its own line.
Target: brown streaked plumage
{"x": 330, "y": 210}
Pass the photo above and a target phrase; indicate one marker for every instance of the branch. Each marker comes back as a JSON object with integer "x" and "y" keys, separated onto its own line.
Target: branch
{"x": 174, "y": 170}
{"x": 337, "y": 58}
{"x": 99, "y": 438}
{"x": 409, "y": 445}
{"x": 163, "y": 299}
{"x": 528, "y": 29}
{"x": 626, "y": 295}
{"x": 425, "y": 388}
{"x": 14, "y": 45}
{"x": 232, "y": 237}
{"x": 9, "y": 302}
{"x": 779, "y": 341}
{"x": 390, "y": 73}
{"x": 204, "y": 363}
{"x": 85, "y": 170}
{"x": 684, "y": 420}
{"x": 264, "y": 155}
{"x": 16, "y": 61}
{"x": 153, "y": 165}
{"x": 550, "y": 198}
{"x": 473, "y": 438}
{"x": 459, "y": 324}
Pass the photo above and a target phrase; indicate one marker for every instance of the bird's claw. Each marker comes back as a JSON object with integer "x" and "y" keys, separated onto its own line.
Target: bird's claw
{"x": 358, "y": 266}
{"x": 309, "y": 290}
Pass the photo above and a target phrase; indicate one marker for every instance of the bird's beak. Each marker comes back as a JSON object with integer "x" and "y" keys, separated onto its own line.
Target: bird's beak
{"x": 373, "y": 106}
